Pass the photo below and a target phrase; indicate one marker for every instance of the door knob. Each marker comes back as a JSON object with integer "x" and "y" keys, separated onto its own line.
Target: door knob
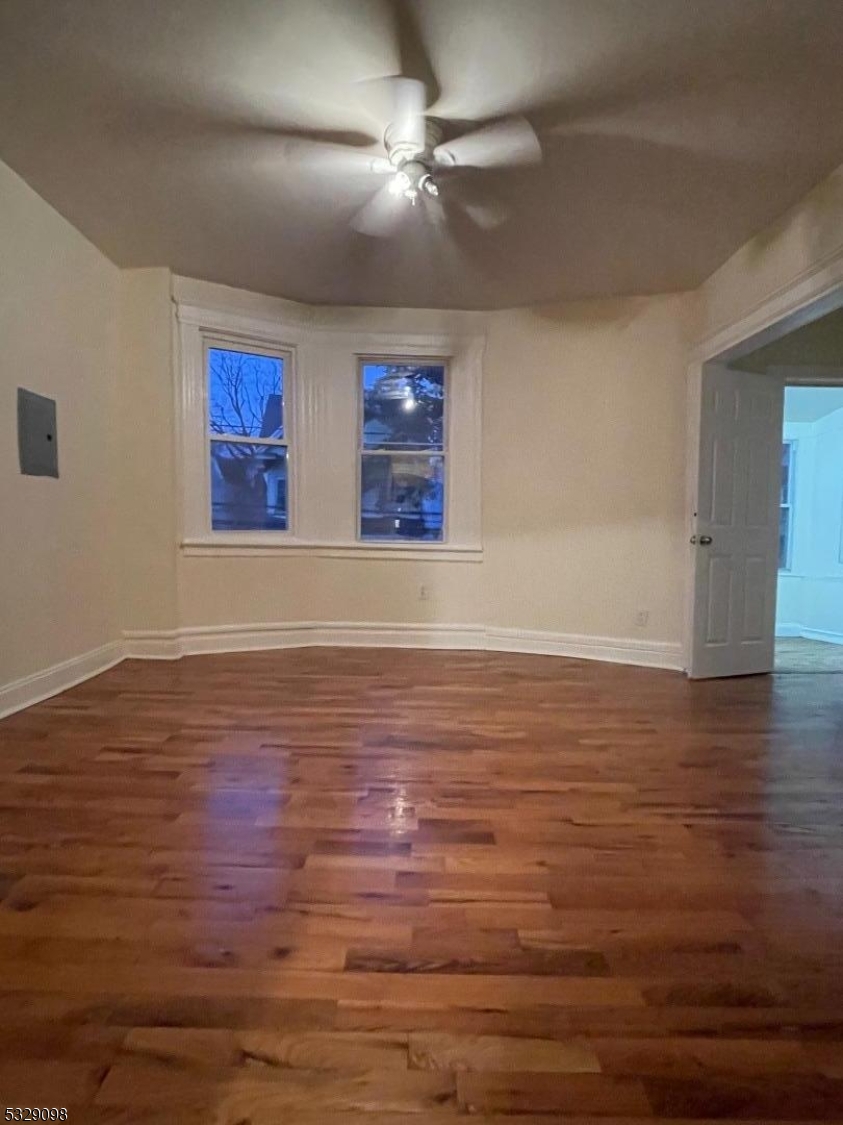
{"x": 703, "y": 540}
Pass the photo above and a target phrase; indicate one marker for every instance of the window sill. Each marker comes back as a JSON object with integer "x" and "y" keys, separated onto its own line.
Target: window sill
{"x": 251, "y": 548}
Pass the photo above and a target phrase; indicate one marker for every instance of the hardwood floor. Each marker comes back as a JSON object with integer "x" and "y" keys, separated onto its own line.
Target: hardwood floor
{"x": 390, "y": 887}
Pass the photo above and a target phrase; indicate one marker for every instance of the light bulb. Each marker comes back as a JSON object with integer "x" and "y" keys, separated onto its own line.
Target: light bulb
{"x": 409, "y": 404}
{"x": 400, "y": 183}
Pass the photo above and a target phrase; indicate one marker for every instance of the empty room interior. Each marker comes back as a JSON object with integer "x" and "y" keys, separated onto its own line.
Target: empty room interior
{"x": 421, "y": 561}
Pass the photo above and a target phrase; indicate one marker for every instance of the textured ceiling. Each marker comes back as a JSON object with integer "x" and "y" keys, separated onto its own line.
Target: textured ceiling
{"x": 672, "y": 130}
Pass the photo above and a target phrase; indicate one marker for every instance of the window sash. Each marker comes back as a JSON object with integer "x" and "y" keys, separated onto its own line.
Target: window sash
{"x": 247, "y": 346}
{"x": 785, "y": 563}
{"x": 405, "y": 361}
{"x": 248, "y": 440}
{"x": 404, "y": 451}
{"x": 387, "y": 538}
{"x": 789, "y": 446}
{"x": 786, "y": 505}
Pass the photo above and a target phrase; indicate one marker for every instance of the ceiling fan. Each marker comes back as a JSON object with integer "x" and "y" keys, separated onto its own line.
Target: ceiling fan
{"x": 422, "y": 166}
{"x": 429, "y": 167}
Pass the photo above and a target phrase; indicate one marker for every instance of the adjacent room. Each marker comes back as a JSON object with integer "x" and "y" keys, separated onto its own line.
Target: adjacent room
{"x": 421, "y": 567}
{"x": 809, "y": 609}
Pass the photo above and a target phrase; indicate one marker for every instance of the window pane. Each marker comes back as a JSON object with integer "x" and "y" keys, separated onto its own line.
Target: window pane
{"x": 785, "y": 473}
{"x": 248, "y": 487}
{"x": 403, "y": 406}
{"x": 245, "y": 392}
{"x": 401, "y": 497}
{"x": 784, "y": 537}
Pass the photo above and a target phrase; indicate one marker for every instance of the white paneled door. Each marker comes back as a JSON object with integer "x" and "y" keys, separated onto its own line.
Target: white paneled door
{"x": 736, "y": 538}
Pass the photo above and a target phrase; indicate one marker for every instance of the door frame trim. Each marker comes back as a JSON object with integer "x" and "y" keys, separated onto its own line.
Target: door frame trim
{"x": 805, "y": 299}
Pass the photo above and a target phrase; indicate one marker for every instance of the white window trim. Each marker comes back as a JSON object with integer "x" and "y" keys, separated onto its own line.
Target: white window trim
{"x": 320, "y": 400}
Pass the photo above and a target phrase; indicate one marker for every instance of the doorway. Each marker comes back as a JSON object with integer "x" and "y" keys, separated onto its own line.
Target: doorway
{"x": 809, "y": 603}
{"x": 749, "y": 482}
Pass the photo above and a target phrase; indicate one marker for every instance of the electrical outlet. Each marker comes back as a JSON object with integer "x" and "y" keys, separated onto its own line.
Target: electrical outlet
{"x": 424, "y": 593}
{"x": 642, "y": 618}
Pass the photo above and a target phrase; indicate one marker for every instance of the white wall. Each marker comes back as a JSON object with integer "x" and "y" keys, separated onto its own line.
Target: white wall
{"x": 810, "y": 601}
{"x": 58, "y": 337}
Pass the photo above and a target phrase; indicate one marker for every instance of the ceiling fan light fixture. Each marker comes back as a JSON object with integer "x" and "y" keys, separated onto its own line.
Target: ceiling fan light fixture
{"x": 416, "y": 156}
{"x": 400, "y": 183}
{"x": 412, "y": 178}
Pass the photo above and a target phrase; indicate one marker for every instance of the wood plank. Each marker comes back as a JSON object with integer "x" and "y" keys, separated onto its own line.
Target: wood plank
{"x": 441, "y": 1051}
{"x": 587, "y": 1094}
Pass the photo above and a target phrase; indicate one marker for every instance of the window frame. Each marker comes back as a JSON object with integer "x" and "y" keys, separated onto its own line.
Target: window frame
{"x": 790, "y": 444}
{"x": 416, "y": 360}
{"x": 321, "y": 424}
{"x": 211, "y": 341}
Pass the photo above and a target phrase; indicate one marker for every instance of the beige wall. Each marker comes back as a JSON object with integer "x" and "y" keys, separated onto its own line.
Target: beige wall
{"x": 147, "y": 527}
{"x": 583, "y": 417}
{"x": 58, "y": 336}
{"x": 584, "y": 467}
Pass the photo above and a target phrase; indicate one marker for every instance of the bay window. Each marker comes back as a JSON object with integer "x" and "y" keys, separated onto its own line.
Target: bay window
{"x": 324, "y": 439}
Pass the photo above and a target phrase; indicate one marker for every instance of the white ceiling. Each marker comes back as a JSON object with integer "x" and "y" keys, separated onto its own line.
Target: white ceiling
{"x": 673, "y": 130}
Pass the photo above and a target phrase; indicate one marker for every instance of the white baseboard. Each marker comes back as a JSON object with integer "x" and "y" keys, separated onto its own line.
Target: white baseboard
{"x": 171, "y": 644}
{"x": 823, "y": 635}
{"x": 41, "y": 685}
{"x": 153, "y": 644}
{"x": 610, "y": 650}
{"x": 790, "y": 630}
{"x": 193, "y": 640}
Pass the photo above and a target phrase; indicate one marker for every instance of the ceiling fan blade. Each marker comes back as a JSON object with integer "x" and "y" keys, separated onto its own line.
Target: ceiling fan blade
{"x": 488, "y": 215}
{"x": 412, "y": 50}
{"x": 381, "y": 215}
{"x": 509, "y": 141}
{"x": 409, "y": 102}
{"x": 333, "y": 158}
{"x": 182, "y": 122}
{"x": 434, "y": 209}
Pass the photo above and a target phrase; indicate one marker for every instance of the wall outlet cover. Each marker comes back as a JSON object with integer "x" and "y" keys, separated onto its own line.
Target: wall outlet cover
{"x": 38, "y": 450}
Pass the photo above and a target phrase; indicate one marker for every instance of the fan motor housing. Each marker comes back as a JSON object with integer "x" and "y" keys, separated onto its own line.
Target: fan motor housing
{"x": 401, "y": 151}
